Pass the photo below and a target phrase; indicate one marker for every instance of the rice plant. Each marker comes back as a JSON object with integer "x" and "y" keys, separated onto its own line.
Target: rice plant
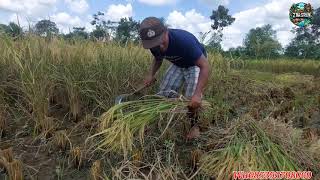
{"x": 245, "y": 146}
{"x": 96, "y": 172}
{"x": 120, "y": 123}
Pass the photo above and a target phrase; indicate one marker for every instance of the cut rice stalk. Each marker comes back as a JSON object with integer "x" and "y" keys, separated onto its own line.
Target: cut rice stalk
{"x": 249, "y": 148}
{"x": 15, "y": 170}
{"x": 120, "y": 123}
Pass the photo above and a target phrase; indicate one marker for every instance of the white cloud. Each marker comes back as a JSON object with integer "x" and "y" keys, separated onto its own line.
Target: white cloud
{"x": 158, "y": 2}
{"x": 28, "y": 7}
{"x": 191, "y": 21}
{"x": 78, "y": 6}
{"x": 275, "y": 12}
{"x": 215, "y": 2}
{"x": 66, "y": 22}
{"x": 116, "y": 12}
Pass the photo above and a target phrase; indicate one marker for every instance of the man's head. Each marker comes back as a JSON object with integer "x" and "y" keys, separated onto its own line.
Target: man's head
{"x": 154, "y": 34}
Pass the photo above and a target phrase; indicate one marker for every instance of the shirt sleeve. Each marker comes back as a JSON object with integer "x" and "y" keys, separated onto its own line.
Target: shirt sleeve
{"x": 157, "y": 56}
{"x": 192, "y": 51}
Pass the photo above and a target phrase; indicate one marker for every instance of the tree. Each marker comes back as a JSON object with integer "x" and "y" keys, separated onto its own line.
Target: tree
{"x": 3, "y": 28}
{"x": 12, "y": 29}
{"x": 103, "y": 29}
{"x": 221, "y": 19}
{"x": 46, "y": 28}
{"x": 261, "y": 42}
{"x": 127, "y": 30}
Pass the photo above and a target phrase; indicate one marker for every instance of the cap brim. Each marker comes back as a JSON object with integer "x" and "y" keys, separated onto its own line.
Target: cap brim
{"x": 148, "y": 44}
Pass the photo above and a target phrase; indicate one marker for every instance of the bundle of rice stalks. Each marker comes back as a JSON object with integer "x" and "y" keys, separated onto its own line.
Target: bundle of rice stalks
{"x": 48, "y": 125}
{"x": 6, "y": 157}
{"x": 11, "y": 166}
{"x": 15, "y": 170}
{"x": 247, "y": 147}
{"x": 3, "y": 122}
{"x": 76, "y": 157}
{"x": 61, "y": 140}
{"x": 120, "y": 123}
{"x": 89, "y": 121}
{"x": 7, "y": 154}
{"x": 96, "y": 171}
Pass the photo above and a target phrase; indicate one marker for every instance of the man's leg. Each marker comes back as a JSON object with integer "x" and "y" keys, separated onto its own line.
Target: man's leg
{"x": 171, "y": 82}
{"x": 191, "y": 76}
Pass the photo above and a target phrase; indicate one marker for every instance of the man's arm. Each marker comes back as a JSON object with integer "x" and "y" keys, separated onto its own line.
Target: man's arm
{"x": 156, "y": 64}
{"x": 203, "y": 64}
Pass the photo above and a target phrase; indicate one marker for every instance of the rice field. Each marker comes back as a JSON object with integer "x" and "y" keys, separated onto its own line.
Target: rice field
{"x": 58, "y": 118}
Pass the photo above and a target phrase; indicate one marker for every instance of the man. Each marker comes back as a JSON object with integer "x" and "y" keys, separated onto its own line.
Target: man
{"x": 189, "y": 63}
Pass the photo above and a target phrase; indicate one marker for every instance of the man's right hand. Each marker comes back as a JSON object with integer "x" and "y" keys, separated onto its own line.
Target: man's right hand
{"x": 149, "y": 80}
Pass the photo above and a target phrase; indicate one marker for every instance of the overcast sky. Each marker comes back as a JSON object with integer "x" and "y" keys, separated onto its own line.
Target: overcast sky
{"x": 191, "y": 15}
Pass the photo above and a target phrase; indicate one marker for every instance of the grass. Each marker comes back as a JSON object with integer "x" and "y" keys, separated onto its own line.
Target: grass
{"x": 310, "y": 67}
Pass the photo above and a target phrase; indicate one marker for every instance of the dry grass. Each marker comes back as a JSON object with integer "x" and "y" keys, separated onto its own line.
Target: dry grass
{"x": 3, "y": 122}
{"x": 61, "y": 140}
{"x": 12, "y": 166}
{"x": 15, "y": 170}
{"x": 96, "y": 172}
{"x": 252, "y": 146}
{"x": 76, "y": 157}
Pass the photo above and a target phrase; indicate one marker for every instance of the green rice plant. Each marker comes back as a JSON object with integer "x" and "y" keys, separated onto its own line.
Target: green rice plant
{"x": 121, "y": 122}
{"x": 245, "y": 146}
{"x": 311, "y": 67}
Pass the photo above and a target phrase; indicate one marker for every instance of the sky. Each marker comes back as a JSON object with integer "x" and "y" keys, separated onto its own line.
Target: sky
{"x": 190, "y": 15}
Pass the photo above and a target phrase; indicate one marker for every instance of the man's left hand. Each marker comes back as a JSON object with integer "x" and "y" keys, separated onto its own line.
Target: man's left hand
{"x": 195, "y": 102}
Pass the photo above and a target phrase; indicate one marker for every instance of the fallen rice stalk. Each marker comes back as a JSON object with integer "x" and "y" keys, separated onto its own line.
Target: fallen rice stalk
{"x": 121, "y": 122}
{"x": 246, "y": 147}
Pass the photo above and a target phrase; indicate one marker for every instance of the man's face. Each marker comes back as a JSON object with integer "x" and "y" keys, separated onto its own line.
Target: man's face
{"x": 163, "y": 45}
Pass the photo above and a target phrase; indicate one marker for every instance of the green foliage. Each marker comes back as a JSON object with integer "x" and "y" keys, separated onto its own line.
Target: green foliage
{"x": 221, "y": 19}
{"x": 261, "y": 42}
{"x": 12, "y": 29}
{"x": 78, "y": 33}
{"x": 127, "y": 30}
{"x": 46, "y": 28}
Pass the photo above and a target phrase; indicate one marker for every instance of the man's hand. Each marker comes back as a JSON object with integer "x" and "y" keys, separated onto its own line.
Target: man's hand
{"x": 195, "y": 102}
{"x": 149, "y": 80}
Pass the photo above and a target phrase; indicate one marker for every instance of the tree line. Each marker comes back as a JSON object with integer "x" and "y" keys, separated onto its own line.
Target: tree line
{"x": 259, "y": 43}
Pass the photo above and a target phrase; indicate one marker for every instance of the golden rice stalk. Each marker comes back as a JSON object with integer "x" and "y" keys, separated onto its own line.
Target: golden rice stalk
{"x": 3, "y": 122}
{"x": 122, "y": 122}
{"x": 315, "y": 150}
{"x": 88, "y": 121}
{"x": 7, "y": 155}
{"x": 15, "y": 170}
{"x": 76, "y": 157}
{"x": 75, "y": 106}
{"x": 48, "y": 126}
{"x": 137, "y": 157}
{"x": 245, "y": 146}
{"x": 96, "y": 171}
{"x": 195, "y": 158}
{"x": 61, "y": 140}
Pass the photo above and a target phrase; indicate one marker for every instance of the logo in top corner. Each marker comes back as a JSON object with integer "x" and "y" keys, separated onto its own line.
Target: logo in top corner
{"x": 301, "y": 14}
